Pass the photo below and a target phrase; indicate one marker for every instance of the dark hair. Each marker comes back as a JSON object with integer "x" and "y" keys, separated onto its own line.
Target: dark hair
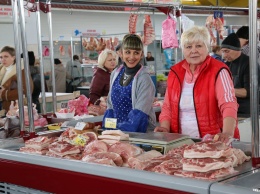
{"x": 132, "y": 41}
{"x": 57, "y": 61}
{"x": 118, "y": 47}
{"x": 9, "y": 50}
{"x": 75, "y": 57}
{"x": 243, "y": 32}
{"x": 31, "y": 58}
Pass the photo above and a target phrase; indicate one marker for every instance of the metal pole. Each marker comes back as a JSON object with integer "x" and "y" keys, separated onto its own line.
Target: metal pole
{"x": 26, "y": 69}
{"x": 38, "y": 22}
{"x": 72, "y": 54}
{"x": 54, "y": 100}
{"x": 180, "y": 27}
{"x": 18, "y": 65}
{"x": 254, "y": 82}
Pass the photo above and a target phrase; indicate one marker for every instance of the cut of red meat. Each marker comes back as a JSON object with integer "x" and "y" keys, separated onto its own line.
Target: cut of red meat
{"x": 117, "y": 159}
{"x": 208, "y": 149}
{"x": 168, "y": 166}
{"x": 31, "y": 150}
{"x": 140, "y": 161}
{"x": 38, "y": 143}
{"x": 125, "y": 150}
{"x": 63, "y": 148}
{"x": 206, "y": 164}
{"x": 92, "y": 159}
{"x": 95, "y": 146}
{"x": 73, "y": 156}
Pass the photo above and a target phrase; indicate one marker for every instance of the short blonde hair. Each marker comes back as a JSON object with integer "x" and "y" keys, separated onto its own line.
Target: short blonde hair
{"x": 103, "y": 56}
{"x": 196, "y": 34}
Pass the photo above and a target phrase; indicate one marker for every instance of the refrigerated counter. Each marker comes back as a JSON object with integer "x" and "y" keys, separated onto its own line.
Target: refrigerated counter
{"x": 68, "y": 176}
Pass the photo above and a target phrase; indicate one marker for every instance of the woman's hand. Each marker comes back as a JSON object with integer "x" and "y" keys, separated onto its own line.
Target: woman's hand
{"x": 161, "y": 129}
{"x": 223, "y": 137}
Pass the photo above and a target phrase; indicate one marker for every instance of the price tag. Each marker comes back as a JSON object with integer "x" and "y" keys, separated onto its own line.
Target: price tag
{"x": 79, "y": 140}
{"x": 110, "y": 123}
{"x": 64, "y": 105}
{"x": 80, "y": 125}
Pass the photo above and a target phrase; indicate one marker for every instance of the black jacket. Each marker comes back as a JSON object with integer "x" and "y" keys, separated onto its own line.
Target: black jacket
{"x": 241, "y": 79}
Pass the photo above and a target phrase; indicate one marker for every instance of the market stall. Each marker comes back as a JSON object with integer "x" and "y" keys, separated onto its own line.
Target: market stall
{"x": 57, "y": 175}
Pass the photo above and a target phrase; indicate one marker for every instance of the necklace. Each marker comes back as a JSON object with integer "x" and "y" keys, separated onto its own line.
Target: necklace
{"x": 125, "y": 77}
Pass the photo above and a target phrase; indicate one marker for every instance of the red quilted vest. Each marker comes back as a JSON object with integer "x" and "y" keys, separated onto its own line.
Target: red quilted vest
{"x": 208, "y": 115}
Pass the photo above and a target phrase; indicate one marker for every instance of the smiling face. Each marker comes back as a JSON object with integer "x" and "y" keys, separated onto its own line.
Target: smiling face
{"x": 110, "y": 62}
{"x": 132, "y": 57}
{"x": 7, "y": 59}
{"x": 195, "y": 53}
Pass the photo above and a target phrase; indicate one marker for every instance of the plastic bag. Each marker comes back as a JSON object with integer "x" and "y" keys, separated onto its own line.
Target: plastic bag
{"x": 169, "y": 37}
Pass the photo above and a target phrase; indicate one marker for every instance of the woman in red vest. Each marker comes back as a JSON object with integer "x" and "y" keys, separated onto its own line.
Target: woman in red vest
{"x": 200, "y": 96}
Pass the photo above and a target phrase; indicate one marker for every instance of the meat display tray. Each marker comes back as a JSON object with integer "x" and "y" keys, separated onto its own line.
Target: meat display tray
{"x": 161, "y": 142}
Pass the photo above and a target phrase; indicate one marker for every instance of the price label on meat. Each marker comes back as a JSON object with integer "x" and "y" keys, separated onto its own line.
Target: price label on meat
{"x": 110, "y": 123}
{"x": 79, "y": 140}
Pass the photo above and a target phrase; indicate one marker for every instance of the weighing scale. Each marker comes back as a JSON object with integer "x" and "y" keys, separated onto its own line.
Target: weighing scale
{"x": 162, "y": 142}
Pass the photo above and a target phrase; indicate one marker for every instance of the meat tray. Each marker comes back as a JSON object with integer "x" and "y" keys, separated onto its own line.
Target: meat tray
{"x": 161, "y": 142}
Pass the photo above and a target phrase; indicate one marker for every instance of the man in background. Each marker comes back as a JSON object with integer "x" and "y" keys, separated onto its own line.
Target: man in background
{"x": 149, "y": 56}
{"x": 238, "y": 64}
{"x": 73, "y": 73}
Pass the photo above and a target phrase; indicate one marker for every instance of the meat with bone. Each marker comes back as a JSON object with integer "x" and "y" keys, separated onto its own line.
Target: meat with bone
{"x": 95, "y": 146}
{"x": 132, "y": 23}
{"x": 149, "y": 34}
{"x": 210, "y": 22}
{"x": 140, "y": 161}
{"x": 214, "y": 174}
{"x": 206, "y": 164}
{"x": 208, "y": 149}
{"x": 125, "y": 150}
{"x": 63, "y": 148}
{"x": 31, "y": 150}
{"x": 116, "y": 158}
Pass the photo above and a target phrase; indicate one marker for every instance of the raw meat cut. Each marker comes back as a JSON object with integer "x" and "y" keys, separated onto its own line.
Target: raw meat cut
{"x": 208, "y": 149}
{"x": 132, "y": 23}
{"x": 31, "y": 150}
{"x": 240, "y": 155}
{"x": 38, "y": 143}
{"x": 63, "y": 148}
{"x": 140, "y": 161}
{"x": 168, "y": 166}
{"x": 206, "y": 164}
{"x": 169, "y": 36}
{"x": 73, "y": 156}
{"x": 149, "y": 34}
{"x": 125, "y": 150}
{"x": 95, "y": 146}
{"x": 116, "y": 158}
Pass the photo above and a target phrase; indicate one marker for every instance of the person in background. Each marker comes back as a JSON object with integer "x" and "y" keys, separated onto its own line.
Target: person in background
{"x": 74, "y": 72}
{"x": 35, "y": 74}
{"x": 149, "y": 56}
{"x": 200, "y": 97}
{"x": 217, "y": 54}
{"x": 238, "y": 64}
{"x": 243, "y": 36}
{"x": 8, "y": 78}
{"x": 119, "y": 53}
{"x": 132, "y": 91}
{"x": 107, "y": 61}
{"x": 60, "y": 76}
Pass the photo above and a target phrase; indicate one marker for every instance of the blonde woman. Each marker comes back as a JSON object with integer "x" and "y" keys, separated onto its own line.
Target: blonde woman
{"x": 107, "y": 61}
{"x": 200, "y": 96}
